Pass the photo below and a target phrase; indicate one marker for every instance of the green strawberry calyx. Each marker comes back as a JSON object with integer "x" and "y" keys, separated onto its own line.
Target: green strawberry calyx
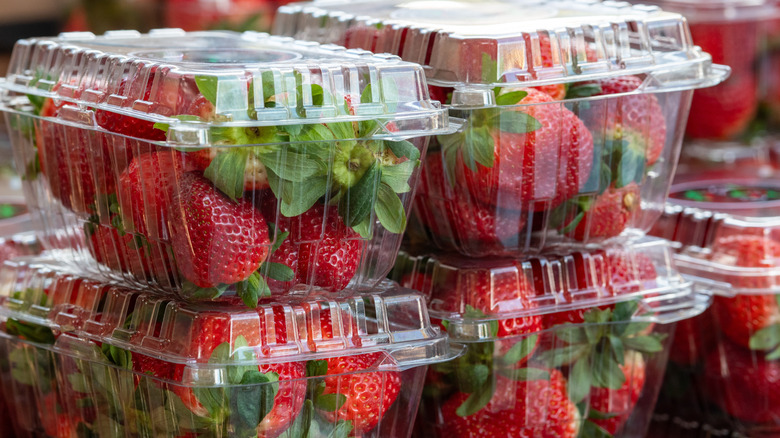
{"x": 595, "y": 350}
{"x": 475, "y": 372}
{"x": 249, "y": 395}
{"x": 767, "y": 339}
{"x": 310, "y": 425}
{"x": 474, "y": 145}
{"x": 337, "y": 163}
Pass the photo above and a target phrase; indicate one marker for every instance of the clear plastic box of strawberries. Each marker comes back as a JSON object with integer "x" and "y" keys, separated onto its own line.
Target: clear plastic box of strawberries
{"x": 219, "y": 166}
{"x": 723, "y": 363}
{"x": 88, "y": 358}
{"x": 526, "y": 236}
{"x": 264, "y": 184}
{"x": 573, "y": 110}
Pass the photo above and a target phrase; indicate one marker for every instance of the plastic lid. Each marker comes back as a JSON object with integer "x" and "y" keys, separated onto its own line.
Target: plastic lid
{"x": 468, "y": 292}
{"x": 501, "y": 42}
{"x": 194, "y": 85}
{"x": 726, "y": 226}
{"x": 719, "y": 10}
{"x": 389, "y": 319}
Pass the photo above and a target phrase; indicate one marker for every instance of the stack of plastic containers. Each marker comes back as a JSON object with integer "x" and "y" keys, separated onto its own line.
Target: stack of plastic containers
{"x": 527, "y": 228}
{"x": 223, "y": 209}
{"x": 92, "y": 359}
{"x": 722, "y": 377}
{"x": 740, "y": 118}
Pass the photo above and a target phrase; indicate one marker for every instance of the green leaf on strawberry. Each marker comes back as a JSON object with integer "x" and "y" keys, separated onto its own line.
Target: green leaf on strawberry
{"x": 359, "y": 199}
{"x": 226, "y": 171}
{"x": 253, "y": 288}
{"x": 596, "y": 349}
{"x": 520, "y": 350}
{"x": 592, "y": 430}
{"x": 576, "y": 91}
{"x": 403, "y": 149}
{"x": 330, "y": 402}
{"x": 389, "y": 210}
{"x": 516, "y": 122}
{"x": 510, "y": 98}
{"x": 767, "y": 339}
{"x": 478, "y": 399}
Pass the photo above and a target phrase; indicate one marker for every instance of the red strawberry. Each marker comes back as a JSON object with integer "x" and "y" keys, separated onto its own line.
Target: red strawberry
{"x": 79, "y": 163}
{"x": 536, "y": 170}
{"x": 751, "y": 251}
{"x": 217, "y": 241}
{"x": 367, "y": 394}
{"x": 740, "y": 317}
{"x": 124, "y": 252}
{"x": 609, "y": 214}
{"x": 213, "y": 330}
{"x": 637, "y": 119}
{"x": 146, "y": 191}
{"x": 533, "y": 408}
{"x": 129, "y": 125}
{"x": 726, "y": 110}
{"x": 743, "y": 383}
{"x": 619, "y": 403}
{"x": 320, "y": 249}
{"x": 462, "y": 222}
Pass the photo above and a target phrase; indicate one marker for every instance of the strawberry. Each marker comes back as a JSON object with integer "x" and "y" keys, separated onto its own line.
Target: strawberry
{"x": 605, "y": 363}
{"x": 743, "y": 383}
{"x": 319, "y": 248}
{"x": 750, "y": 251}
{"x": 523, "y": 162}
{"x": 742, "y": 316}
{"x": 726, "y": 110}
{"x": 217, "y": 241}
{"x": 217, "y": 338}
{"x": 146, "y": 191}
{"x": 78, "y": 163}
{"x": 609, "y": 213}
{"x": 128, "y": 125}
{"x": 123, "y": 252}
{"x": 635, "y": 119}
{"x": 348, "y": 392}
{"x": 616, "y": 405}
{"x": 538, "y": 407}
{"x": 466, "y": 223}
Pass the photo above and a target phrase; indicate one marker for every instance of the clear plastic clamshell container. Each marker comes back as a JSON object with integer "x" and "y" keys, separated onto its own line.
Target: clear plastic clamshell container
{"x": 85, "y": 358}
{"x": 574, "y": 112}
{"x": 742, "y": 115}
{"x": 557, "y": 344}
{"x": 223, "y": 166}
{"x": 723, "y": 365}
